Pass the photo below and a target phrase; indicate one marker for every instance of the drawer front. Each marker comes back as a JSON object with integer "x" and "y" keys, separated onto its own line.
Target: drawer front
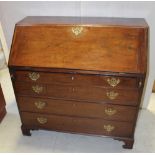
{"x": 80, "y": 79}
{"x": 74, "y": 108}
{"x": 30, "y": 89}
{"x": 77, "y": 125}
{"x": 92, "y": 94}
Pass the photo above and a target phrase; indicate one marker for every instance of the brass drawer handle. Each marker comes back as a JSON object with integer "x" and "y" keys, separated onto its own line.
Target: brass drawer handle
{"x": 113, "y": 81}
{"x": 109, "y": 128}
{"x": 112, "y": 95}
{"x": 77, "y": 30}
{"x": 40, "y": 104}
{"x": 42, "y": 120}
{"x": 37, "y": 89}
{"x": 34, "y": 76}
{"x": 110, "y": 111}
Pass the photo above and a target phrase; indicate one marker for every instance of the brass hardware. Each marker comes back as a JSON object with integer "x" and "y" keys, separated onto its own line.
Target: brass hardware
{"x": 42, "y": 120}
{"x": 37, "y": 89}
{"x": 113, "y": 81}
{"x": 110, "y": 111}
{"x": 109, "y": 128}
{"x": 40, "y": 104}
{"x": 34, "y": 76}
{"x": 112, "y": 95}
{"x": 77, "y": 30}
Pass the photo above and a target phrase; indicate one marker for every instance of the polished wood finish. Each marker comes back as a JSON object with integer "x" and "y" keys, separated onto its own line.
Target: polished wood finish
{"x": 108, "y": 41}
{"x": 2, "y": 105}
{"x": 76, "y": 108}
{"x": 84, "y": 79}
{"x": 103, "y": 21}
{"x": 80, "y": 75}
{"x": 112, "y": 44}
{"x": 77, "y": 124}
{"x": 79, "y": 92}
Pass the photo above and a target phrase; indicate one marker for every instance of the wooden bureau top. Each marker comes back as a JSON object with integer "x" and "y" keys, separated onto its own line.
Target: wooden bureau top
{"x": 102, "y": 44}
{"x": 106, "y": 21}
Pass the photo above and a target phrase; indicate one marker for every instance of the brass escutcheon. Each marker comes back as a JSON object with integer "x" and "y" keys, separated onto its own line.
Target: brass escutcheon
{"x": 110, "y": 111}
{"x": 77, "y": 30}
{"x": 112, "y": 95}
{"x": 42, "y": 120}
{"x": 40, "y": 104}
{"x": 113, "y": 81}
{"x": 37, "y": 89}
{"x": 34, "y": 76}
{"x": 109, "y": 128}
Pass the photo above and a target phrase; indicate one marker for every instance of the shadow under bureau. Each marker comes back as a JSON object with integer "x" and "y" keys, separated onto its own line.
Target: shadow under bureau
{"x": 80, "y": 74}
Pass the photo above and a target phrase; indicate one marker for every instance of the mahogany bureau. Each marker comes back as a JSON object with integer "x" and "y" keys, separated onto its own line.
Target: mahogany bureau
{"x": 80, "y": 74}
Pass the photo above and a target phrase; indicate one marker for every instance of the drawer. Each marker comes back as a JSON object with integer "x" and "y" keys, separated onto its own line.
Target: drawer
{"x": 80, "y": 79}
{"x": 81, "y": 93}
{"x": 77, "y": 124}
{"x": 75, "y": 108}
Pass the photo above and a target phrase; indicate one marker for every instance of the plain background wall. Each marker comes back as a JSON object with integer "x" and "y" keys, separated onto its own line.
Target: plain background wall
{"x": 11, "y": 12}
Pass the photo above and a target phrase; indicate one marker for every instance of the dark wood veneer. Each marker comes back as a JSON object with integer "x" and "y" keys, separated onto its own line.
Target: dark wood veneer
{"x": 77, "y": 108}
{"x": 78, "y": 79}
{"x": 79, "y": 92}
{"x": 74, "y": 71}
{"x": 78, "y": 124}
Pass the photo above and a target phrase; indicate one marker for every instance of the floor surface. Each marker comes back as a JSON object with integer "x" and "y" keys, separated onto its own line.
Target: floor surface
{"x": 12, "y": 140}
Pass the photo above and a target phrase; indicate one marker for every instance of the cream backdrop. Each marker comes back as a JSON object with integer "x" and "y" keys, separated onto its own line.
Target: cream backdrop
{"x": 11, "y": 12}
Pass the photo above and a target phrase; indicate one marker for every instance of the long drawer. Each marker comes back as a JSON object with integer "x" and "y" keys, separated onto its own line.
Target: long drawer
{"x": 80, "y": 79}
{"x": 77, "y": 125}
{"x": 82, "y": 93}
{"x": 74, "y": 108}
